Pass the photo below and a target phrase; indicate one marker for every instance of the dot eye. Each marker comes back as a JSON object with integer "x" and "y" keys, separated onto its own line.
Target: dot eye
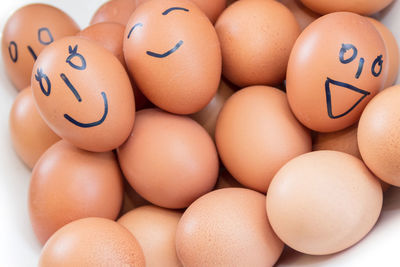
{"x": 377, "y": 62}
{"x": 13, "y": 51}
{"x": 74, "y": 56}
{"x": 344, "y": 49}
{"x": 39, "y": 77}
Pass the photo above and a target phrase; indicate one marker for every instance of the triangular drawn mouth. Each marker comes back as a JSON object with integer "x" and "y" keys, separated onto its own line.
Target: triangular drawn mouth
{"x": 328, "y": 82}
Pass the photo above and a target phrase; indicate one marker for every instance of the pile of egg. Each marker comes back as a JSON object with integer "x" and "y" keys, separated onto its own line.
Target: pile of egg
{"x": 203, "y": 133}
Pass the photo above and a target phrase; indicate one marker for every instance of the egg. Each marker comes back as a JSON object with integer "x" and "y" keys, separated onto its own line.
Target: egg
{"x": 26, "y": 32}
{"x": 337, "y": 65}
{"x": 256, "y": 134}
{"x": 227, "y": 227}
{"x": 132, "y": 199}
{"x": 92, "y": 242}
{"x": 207, "y": 117}
{"x": 173, "y": 54}
{"x": 212, "y": 9}
{"x": 323, "y": 202}
{"x": 170, "y": 160}
{"x": 392, "y": 50}
{"x": 304, "y": 16}
{"x": 30, "y": 135}
{"x": 84, "y": 94}
{"x": 255, "y": 49}
{"x": 154, "y": 229}
{"x": 108, "y": 34}
{"x": 379, "y": 135}
{"x": 68, "y": 183}
{"x": 364, "y": 7}
{"x": 226, "y": 180}
{"x": 117, "y": 11}
{"x": 344, "y": 140}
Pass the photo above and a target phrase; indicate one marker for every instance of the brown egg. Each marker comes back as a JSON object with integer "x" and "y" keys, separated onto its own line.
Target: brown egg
{"x": 29, "y": 30}
{"x": 117, "y": 11}
{"x": 304, "y": 16}
{"x": 109, "y": 35}
{"x": 212, "y": 9}
{"x": 68, "y": 184}
{"x": 392, "y": 50}
{"x": 255, "y": 48}
{"x": 30, "y": 135}
{"x": 337, "y": 65}
{"x": 154, "y": 229}
{"x": 207, "y": 117}
{"x": 132, "y": 199}
{"x": 227, "y": 227}
{"x": 379, "y": 135}
{"x": 92, "y": 242}
{"x": 363, "y": 7}
{"x": 323, "y": 202}
{"x": 170, "y": 160}
{"x": 172, "y": 52}
{"x": 343, "y": 140}
{"x": 84, "y": 94}
{"x": 226, "y": 180}
{"x": 256, "y": 134}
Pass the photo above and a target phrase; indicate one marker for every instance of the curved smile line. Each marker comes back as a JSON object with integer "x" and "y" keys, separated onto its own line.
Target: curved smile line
{"x": 92, "y": 124}
{"x": 169, "y": 52}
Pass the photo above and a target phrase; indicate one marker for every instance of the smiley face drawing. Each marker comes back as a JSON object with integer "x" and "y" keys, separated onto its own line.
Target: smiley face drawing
{"x": 26, "y": 33}
{"x": 336, "y": 66}
{"x": 84, "y": 94}
{"x": 172, "y": 52}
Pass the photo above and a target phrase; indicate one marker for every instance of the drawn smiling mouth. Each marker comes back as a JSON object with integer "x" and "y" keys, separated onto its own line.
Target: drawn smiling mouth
{"x": 328, "y": 89}
{"x": 91, "y": 124}
{"x": 169, "y": 52}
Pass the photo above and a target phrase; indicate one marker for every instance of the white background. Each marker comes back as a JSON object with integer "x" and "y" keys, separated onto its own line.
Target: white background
{"x": 18, "y": 245}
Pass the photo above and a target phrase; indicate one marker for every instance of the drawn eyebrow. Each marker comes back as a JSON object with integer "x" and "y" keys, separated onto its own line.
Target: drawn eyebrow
{"x": 169, "y": 52}
{"x": 174, "y": 8}
{"x": 134, "y": 27}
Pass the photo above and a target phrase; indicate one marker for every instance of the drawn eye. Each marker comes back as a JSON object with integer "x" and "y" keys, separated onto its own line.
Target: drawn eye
{"x": 75, "y": 56}
{"x": 49, "y": 35}
{"x": 39, "y": 77}
{"x": 378, "y": 61}
{"x": 134, "y": 27}
{"x": 343, "y": 52}
{"x": 13, "y": 51}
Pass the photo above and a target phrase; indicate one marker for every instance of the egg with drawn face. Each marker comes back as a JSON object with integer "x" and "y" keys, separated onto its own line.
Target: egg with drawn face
{"x": 29, "y": 30}
{"x": 336, "y": 66}
{"x": 173, "y": 54}
{"x": 84, "y": 94}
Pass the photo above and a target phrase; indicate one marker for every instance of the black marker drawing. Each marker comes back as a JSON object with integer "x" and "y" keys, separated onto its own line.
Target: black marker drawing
{"x": 174, "y": 8}
{"x": 50, "y": 36}
{"x": 347, "y": 86}
{"x": 378, "y": 61}
{"x": 71, "y": 87}
{"x": 39, "y": 77}
{"x": 13, "y": 56}
{"x": 92, "y": 124}
{"x": 134, "y": 27}
{"x": 360, "y": 67}
{"x": 169, "y": 52}
{"x": 74, "y": 54}
{"x": 32, "y": 52}
{"x": 344, "y": 49}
